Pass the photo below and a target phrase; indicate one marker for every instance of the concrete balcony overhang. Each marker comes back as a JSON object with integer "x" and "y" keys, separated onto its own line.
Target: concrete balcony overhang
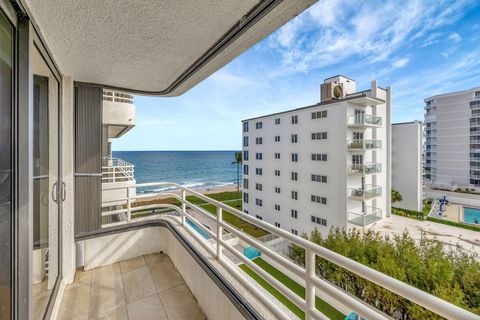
{"x": 119, "y": 117}
{"x": 153, "y": 47}
{"x": 364, "y": 100}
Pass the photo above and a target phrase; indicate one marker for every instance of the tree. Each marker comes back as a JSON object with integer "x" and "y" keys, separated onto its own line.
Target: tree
{"x": 452, "y": 275}
{"x": 238, "y": 162}
{"x": 396, "y": 196}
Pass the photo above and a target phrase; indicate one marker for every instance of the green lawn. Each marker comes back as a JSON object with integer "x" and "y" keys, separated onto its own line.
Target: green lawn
{"x": 321, "y": 305}
{"x": 228, "y": 198}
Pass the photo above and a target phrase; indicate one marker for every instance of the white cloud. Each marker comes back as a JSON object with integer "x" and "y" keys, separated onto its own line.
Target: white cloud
{"x": 332, "y": 31}
{"x": 400, "y": 63}
{"x": 455, "y": 37}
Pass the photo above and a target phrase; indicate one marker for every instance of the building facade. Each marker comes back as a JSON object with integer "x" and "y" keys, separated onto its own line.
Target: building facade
{"x": 321, "y": 166}
{"x": 452, "y": 146}
{"x": 407, "y": 166}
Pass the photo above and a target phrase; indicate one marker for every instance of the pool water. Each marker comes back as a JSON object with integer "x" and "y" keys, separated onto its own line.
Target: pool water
{"x": 198, "y": 229}
{"x": 470, "y": 214}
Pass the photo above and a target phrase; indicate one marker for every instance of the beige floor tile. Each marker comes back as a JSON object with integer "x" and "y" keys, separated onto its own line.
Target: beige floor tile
{"x": 165, "y": 276}
{"x": 106, "y": 295}
{"x": 119, "y": 313}
{"x": 146, "y": 309}
{"x": 82, "y": 277}
{"x": 104, "y": 272}
{"x": 132, "y": 264}
{"x": 180, "y": 304}
{"x": 75, "y": 302}
{"x": 39, "y": 305}
{"x": 138, "y": 284}
{"x": 154, "y": 258}
{"x": 40, "y": 290}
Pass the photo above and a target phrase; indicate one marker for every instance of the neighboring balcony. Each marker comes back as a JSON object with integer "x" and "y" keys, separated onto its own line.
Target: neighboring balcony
{"x": 117, "y": 173}
{"x": 364, "y": 121}
{"x": 364, "y": 168}
{"x": 363, "y": 219}
{"x": 364, "y": 194}
{"x": 364, "y": 144}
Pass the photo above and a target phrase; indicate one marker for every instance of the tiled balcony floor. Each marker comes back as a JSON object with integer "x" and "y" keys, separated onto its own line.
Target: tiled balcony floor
{"x": 146, "y": 287}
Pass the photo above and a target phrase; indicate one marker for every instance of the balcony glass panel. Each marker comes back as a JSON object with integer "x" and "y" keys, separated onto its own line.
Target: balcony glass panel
{"x": 364, "y": 120}
{"x": 366, "y": 168}
{"x": 362, "y": 194}
{"x": 359, "y": 218}
{"x": 364, "y": 144}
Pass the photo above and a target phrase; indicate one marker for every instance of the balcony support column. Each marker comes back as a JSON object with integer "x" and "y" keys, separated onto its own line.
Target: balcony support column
{"x": 309, "y": 286}
{"x": 184, "y": 207}
{"x": 219, "y": 233}
{"x": 129, "y": 204}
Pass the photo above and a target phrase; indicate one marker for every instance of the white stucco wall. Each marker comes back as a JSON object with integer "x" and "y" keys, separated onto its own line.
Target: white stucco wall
{"x": 407, "y": 164}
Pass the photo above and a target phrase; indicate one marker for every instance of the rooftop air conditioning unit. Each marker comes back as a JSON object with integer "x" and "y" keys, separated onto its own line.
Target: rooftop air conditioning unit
{"x": 331, "y": 91}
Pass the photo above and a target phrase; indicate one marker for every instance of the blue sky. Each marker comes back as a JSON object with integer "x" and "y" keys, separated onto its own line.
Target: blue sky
{"x": 419, "y": 48}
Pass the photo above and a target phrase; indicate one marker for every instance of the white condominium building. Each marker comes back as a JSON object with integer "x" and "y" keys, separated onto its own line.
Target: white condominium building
{"x": 321, "y": 166}
{"x": 452, "y": 148}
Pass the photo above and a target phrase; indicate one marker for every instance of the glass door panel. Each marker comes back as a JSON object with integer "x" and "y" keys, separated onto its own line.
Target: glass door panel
{"x": 45, "y": 255}
{"x": 6, "y": 194}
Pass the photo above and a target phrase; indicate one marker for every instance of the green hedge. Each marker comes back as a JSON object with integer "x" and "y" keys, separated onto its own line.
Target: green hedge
{"x": 455, "y": 224}
{"x": 424, "y": 216}
{"x": 409, "y": 213}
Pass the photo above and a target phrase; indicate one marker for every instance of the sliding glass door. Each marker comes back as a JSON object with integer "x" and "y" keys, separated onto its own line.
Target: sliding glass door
{"x": 46, "y": 196}
{"x": 6, "y": 163}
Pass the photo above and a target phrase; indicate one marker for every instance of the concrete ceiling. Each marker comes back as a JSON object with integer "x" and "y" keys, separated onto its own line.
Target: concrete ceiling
{"x": 153, "y": 46}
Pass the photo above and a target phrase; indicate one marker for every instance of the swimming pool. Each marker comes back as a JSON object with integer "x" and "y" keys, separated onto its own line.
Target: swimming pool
{"x": 470, "y": 214}
{"x": 198, "y": 229}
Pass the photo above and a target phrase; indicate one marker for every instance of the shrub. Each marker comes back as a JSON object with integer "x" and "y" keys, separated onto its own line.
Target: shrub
{"x": 424, "y": 264}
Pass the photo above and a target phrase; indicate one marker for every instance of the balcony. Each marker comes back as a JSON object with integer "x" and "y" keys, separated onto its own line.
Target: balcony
{"x": 364, "y": 169}
{"x": 364, "y": 144}
{"x": 192, "y": 247}
{"x": 363, "y": 219}
{"x": 364, "y": 121}
{"x": 117, "y": 173}
{"x": 364, "y": 194}
{"x": 135, "y": 288}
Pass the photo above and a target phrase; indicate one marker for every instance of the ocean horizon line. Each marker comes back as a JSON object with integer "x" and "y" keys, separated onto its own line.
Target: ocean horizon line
{"x": 177, "y": 150}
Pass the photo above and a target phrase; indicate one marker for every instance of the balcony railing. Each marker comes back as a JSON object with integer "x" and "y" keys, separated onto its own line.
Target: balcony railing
{"x": 117, "y": 170}
{"x": 315, "y": 286}
{"x": 364, "y": 144}
{"x": 364, "y": 169}
{"x": 363, "y": 194}
{"x": 363, "y": 219}
{"x": 364, "y": 120}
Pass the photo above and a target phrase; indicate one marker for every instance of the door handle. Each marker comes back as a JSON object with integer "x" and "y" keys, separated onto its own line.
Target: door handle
{"x": 55, "y": 192}
{"x": 64, "y": 191}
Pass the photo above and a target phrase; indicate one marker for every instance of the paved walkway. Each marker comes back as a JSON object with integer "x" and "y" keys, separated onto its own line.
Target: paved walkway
{"x": 448, "y": 235}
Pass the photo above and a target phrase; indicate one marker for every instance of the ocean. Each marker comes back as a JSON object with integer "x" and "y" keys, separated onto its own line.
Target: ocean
{"x": 193, "y": 169}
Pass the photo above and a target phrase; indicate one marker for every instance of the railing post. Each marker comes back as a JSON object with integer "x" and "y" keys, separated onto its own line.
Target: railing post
{"x": 219, "y": 233}
{"x": 113, "y": 174}
{"x": 309, "y": 287}
{"x": 184, "y": 206}
{"x": 129, "y": 205}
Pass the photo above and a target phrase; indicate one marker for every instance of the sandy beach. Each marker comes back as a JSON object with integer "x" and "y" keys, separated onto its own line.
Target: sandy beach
{"x": 159, "y": 198}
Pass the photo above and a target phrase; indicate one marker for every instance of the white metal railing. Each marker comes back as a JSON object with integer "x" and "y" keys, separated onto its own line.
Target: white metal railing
{"x": 363, "y": 119}
{"x": 313, "y": 284}
{"x": 117, "y": 170}
{"x": 117, "y": 97}
{"x": 364, "y": 168}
